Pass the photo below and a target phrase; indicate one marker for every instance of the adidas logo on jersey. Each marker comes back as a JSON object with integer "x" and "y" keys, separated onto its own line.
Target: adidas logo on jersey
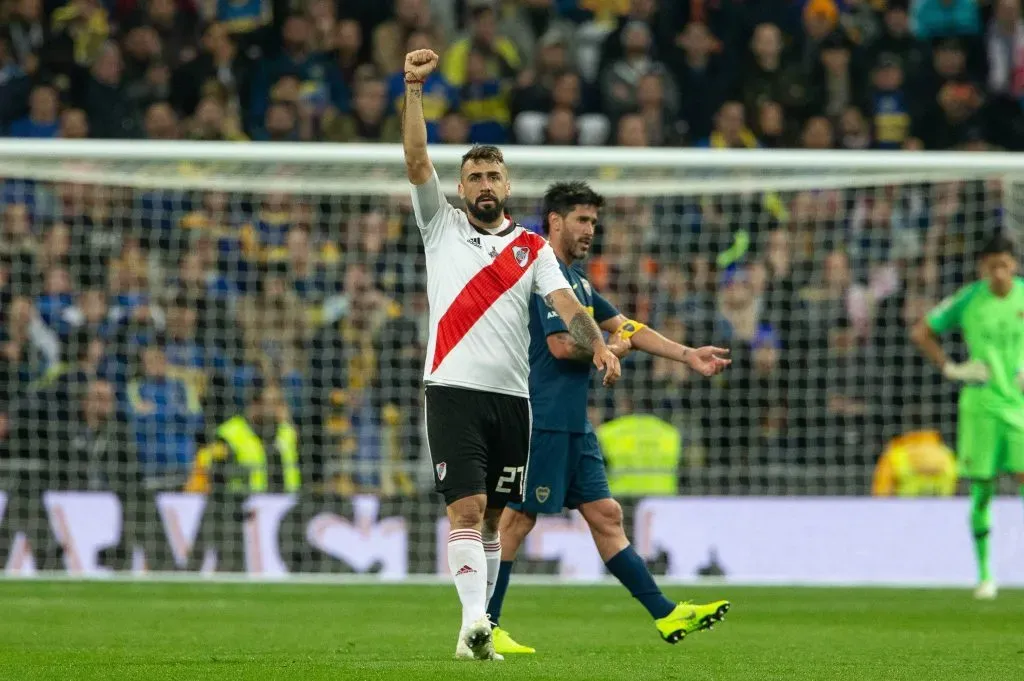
{"x": 475, "y": 241}
{"x": 464, "y": 570}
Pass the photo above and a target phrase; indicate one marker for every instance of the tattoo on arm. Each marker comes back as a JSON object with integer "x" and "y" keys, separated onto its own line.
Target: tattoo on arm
{"x": 584, "y": 330}
{"x": 577, "y": 352}
{"x": 410, "y": 93}
{"x": 414, "y": 136}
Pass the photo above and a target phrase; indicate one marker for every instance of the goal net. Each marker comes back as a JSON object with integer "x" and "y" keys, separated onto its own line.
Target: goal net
{"x": 151, "y": 294}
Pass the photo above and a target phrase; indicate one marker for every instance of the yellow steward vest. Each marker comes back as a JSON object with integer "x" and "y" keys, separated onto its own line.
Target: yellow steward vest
{"x": 249, "y": 453}
{"x": 916, "y": 464}
{"x": 642, "y": 453}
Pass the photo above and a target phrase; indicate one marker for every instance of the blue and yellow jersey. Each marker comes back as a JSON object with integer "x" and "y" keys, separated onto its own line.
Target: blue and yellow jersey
{"x": 228, "y": 236}
{"x": 191, "y": 363}
{"x": 485, "y": 106}
{"x": 243, "y": 16}
{"x": 559, "y": 387}
{"x": 438, "y": 99}
{"x": 202, "y": 223}
{"x": 265, "y": 239}
{"x": 891, "y": 119}
{"x": 505, "y": 61}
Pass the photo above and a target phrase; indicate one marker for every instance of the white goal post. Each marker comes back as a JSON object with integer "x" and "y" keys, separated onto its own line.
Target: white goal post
{"x": 368, "y": 168}
{"x": 147, "y": 287}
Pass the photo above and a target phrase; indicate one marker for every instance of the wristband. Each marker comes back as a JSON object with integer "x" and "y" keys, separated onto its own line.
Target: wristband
{"x": 628, "y": 328}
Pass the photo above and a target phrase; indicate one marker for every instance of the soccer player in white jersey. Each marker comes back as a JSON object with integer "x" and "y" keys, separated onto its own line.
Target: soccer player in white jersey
{"x": 482, "y": 271}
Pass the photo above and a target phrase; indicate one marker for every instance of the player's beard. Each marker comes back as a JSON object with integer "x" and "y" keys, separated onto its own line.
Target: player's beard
{"x": 581, "y": 249}
{"x": 486, "y": 214}
{"x": 577, "y": 248}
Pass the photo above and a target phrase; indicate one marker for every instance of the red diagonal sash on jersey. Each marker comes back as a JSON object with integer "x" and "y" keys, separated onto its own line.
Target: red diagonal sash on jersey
{"x": 483, "y": 289}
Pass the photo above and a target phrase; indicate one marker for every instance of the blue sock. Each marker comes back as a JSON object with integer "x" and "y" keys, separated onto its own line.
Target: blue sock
{"x": 500, "y": 587}
{"x": 630, "y": 569}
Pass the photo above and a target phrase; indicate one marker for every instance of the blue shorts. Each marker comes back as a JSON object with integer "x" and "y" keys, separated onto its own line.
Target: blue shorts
{"x": 565, "y": 470}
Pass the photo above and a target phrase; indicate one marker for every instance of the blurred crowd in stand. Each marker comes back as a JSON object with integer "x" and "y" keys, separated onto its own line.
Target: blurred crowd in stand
{"x": 137, "y": 326}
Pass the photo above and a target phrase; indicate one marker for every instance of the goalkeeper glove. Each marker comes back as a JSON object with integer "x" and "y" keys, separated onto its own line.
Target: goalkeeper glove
{"x": 973, "y": 372}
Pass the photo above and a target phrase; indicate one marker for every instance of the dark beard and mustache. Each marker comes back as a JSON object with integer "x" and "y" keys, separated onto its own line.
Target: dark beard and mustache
{"x": 575, "y": 247}
{"x": 580, "y": 250}
{"x": 486, "y": 214}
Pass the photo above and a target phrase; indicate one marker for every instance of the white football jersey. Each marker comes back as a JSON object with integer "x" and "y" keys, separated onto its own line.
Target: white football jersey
{"x": 479, "y": 287}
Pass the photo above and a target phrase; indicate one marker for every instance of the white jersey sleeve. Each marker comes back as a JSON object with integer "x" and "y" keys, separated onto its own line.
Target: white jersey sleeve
{"x": 431, "y": 208}
{"x": 547, "y": 276}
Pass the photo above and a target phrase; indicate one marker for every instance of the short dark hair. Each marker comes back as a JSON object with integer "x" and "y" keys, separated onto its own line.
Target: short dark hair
{"x": 487, "y": 153}
{"x": 1000, "y": 243}
{"x": 562, "y": 197}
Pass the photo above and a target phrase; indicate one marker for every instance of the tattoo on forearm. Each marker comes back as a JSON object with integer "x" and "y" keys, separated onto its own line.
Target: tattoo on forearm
{"x": 579, "y": 353}
{"x": 410, "y": 93}
{"x": 584, "y": 330}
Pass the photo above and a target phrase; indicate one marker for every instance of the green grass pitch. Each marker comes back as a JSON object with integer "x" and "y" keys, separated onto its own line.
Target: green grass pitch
{"x": 154, "y": 631}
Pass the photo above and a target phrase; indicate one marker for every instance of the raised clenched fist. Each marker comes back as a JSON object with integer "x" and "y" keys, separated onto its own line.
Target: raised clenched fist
{"x": 420, "y": 64}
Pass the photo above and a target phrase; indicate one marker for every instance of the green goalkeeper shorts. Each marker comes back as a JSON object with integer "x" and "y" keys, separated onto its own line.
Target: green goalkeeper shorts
{"x": 987, "y": 446}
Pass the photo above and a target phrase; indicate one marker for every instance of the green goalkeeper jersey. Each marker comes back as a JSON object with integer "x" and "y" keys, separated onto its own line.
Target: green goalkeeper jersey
{"x": 993, "y": 329}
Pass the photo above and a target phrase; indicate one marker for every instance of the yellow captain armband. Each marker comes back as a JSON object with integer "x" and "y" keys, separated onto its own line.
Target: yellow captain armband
{"x": 628, "y": 328}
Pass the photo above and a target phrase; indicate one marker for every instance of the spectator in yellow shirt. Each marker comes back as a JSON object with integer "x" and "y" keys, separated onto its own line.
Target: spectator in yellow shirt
{"x": 502, "y": 57}
{"x": 85, "y": 22}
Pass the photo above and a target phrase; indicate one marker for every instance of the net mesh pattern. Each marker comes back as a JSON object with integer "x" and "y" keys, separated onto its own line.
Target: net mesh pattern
{"x": 145, "y": 303}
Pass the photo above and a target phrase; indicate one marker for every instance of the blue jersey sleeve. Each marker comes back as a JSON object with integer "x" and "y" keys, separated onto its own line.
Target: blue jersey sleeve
{"x": 550, "y": 322}
{"x": 603, "y": 310}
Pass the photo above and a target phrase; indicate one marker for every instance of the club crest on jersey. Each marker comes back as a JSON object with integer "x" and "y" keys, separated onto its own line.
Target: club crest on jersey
{"x": 442, "y": 470}
{"x": 522, "y": 255}
{"x": 542, "y": 494}
{"x": 586, "y": 287}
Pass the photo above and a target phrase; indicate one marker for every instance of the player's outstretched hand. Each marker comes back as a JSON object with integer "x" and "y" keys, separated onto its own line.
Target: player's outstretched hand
{"x": 419, "y": 64}
{"x": 606, "y": 361}
{"x": 708, "y": 360}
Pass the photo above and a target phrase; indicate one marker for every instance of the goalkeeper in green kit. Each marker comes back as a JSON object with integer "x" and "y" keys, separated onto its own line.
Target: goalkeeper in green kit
{"x": 990, "y": 429}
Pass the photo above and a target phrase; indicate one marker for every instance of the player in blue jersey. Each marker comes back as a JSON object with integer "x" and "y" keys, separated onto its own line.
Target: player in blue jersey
{"x": 566, "y": 469}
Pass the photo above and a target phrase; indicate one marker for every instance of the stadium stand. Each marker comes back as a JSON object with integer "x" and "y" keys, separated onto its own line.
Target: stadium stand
{"x": 130, "y": 317}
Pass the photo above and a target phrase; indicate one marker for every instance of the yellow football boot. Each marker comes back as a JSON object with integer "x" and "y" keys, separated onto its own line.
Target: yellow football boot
{"x": 506, "y": 645}
{"x": 688, "y": 618}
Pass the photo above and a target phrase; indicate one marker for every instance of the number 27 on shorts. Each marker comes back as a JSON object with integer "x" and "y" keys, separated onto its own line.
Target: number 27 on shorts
{"x": 507, "y": 480}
